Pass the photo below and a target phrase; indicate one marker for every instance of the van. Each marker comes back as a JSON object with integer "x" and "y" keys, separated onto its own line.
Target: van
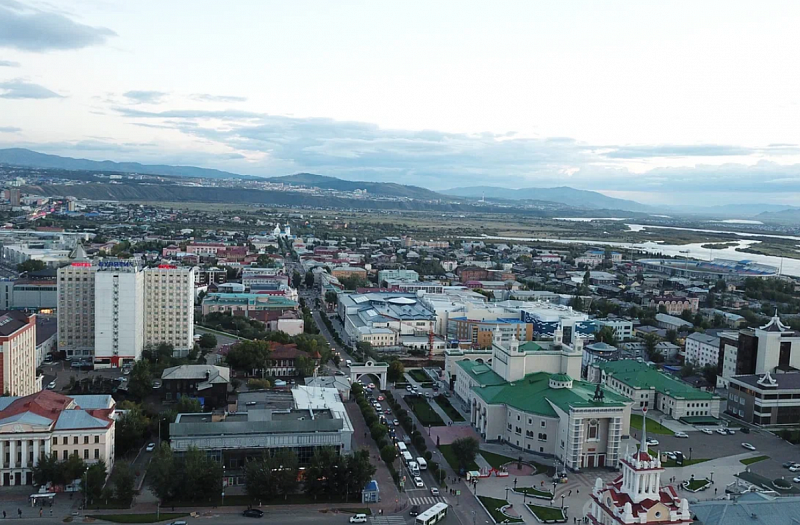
{"x": 423, "y": 465}
{"x": 413, "y": 468}
{"x": 401, "y": 447}
{"x": 407, "y": 457}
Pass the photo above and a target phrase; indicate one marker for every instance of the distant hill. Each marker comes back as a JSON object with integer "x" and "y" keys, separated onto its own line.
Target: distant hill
{"x": 562, "y": 194}
{"x": 377, "y": 188}
{"x": 33, "y": 159}
{"x": 740, "y": 211}
{"x": 786, "y": 216}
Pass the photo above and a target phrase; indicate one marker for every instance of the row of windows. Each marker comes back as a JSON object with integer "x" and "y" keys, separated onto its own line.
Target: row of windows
{"x": 65, "y": 440}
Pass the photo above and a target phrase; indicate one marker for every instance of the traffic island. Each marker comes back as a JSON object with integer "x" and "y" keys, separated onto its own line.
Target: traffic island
{"x": 499, "y": 510}
{"x": 548, "y": 514}
{"x": 696, "y": 485}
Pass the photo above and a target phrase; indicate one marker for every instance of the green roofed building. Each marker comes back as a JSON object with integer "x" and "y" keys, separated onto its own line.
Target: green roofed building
{"x": 525, "y": 397}
{"x": 648, "y": 387}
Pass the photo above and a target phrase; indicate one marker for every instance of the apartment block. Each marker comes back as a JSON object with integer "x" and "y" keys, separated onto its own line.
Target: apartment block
{"x": 17, "y": 353}
{"x": 169, "y": 307}
{"x": 76, "y": 304}
{"x": 119, "y": 313}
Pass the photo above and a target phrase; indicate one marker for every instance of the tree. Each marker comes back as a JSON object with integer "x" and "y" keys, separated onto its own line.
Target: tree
{"x": 162, "y": 473}
{"x": 93, "y": 480}
{"x": 377, "y": 430}
{"x": 297, "y": 279}
{"x": 304, "y": 366}
{"x": 650, "y": 342}
{"x": 672, "y": 336}
{"x": 324, "y": 473}
{"x": 395, "y": 371}
{"x": 200, "y": 476}
{"x": 124, "y": 481}
{"x": 31, "y": 265}
{"x": 687, "y": 370}
{"x": 130, "y": 428}
{"x": 606, "y": 335}
{"x": 267, "y": 476}
{"x": 309, "y": 279}
{"x": 141, "y": 380}
{"x": 331, "y": 297}
{"x": 709, "y": 373}
{"x": 358, "y": 471}
{"x": 207, "y": 341}
{"x": 73, "y": 468}
{"x": 389, "y": 453}
{"x": 258, "y": 384}
{"x": 47, "y": 470}
{"x": 465, "y": 450}
{"x": 249, "y": 356}
{"x": 187, "y": 405}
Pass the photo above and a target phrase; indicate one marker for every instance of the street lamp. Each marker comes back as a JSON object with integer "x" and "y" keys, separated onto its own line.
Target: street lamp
{"x": 712, "y": 476}
{"x": 562, "y": 501}
{"x": 690, "y": 453}
{"x": 506, "y": 493}
{"x": 223, "y": 485}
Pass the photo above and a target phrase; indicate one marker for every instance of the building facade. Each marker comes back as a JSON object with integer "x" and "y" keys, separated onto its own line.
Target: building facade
{"x": 119, "y": 313}
{"x": 623, "y": 328}
{"x": 169, "y": 307}
{"x": 702, "y": 349}
{"x": 76, "y": 305}
{"x": 17, "y": 353}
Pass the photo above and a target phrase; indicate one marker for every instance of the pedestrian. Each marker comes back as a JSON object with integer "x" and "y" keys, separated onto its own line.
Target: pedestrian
{"x": 19, "y": 512}
{"x": 40, "y": 512}
{"x": 570, "y": 493}
{"x": 4, "y": 514}
{"x": 715, "y": 491}
{"x": 577, "y": 491}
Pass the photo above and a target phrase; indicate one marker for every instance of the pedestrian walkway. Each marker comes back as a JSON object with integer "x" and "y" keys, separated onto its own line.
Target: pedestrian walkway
{"x": 388, "y": 520}
{"x": 427, "y": 500}
{"x": 442, "y": 414}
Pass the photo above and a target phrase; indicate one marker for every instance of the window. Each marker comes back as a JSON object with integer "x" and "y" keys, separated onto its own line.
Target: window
{"x": 65, "y": 454}
{"x": 97, "y": 439}
{"x": 542, "y": 437}
{"x": 593, "y": 430}
{"x": 97, "y": 453}
{"x": 543, "y": 423}
{"x": 86, "y": 453}
{"x": 85, "y": 440}
{"x": 65, "y": 440}
{"x": 55, "y": 441}
{"x": 75, "y": 440}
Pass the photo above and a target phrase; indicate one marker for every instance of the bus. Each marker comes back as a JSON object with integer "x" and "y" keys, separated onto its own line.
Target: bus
{"x": 407, "y": 457}
{"x": 401, "y": 447}
{"x": 432, "y": 515}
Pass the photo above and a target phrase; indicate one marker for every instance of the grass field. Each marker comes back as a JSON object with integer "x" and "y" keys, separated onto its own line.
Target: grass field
{"x": 493, "y": 505}
{"x": 140, "y": 518}
{"x": 547, "y": 513}
{"x": 653, "y": 427}
{"x": 418, "y": 375}
{"x": 449, "y": 409}
{"x": 447, "y": 452}
{"x": 696, "y": 484}
{"x": 422, "y": 409}
{"x": 532, "y": 491}
{"x": 750, "y": 461}
{"x": 496, "y": 460}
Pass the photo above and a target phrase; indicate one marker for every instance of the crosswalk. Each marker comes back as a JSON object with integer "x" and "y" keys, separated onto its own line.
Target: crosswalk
{"x": 427, "y": 500}
{"x": 387, "y": 520}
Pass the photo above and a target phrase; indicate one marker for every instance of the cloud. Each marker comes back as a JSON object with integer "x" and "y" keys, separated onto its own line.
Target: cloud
{"x": 9, "y": 129}
{"x": 145, "y": 97}
{"x": 9, "y": 63}
{"x": 706, "y": 150}
{"x": 20, "y": 89}
{"x": 31, "y": 29}
{"x": 205, "y": 97}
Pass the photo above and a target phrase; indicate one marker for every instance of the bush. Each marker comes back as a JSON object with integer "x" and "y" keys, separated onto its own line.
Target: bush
{"x": 428, "y": 456}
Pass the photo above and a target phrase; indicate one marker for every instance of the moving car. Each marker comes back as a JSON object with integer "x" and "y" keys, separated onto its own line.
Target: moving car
{"x": 748, "y": 446}
{"x": 681, "y": 435}
{"x": 358, "y": 518}
{"x": 396, "y": 423}
{"x": 253, "y": 513}
{"x": 745, "y": 430}
{"x": 707, "y": 431}
{"x": 388, "y": 411}
{"x": 414, "y": 511}
{"x": 371, "y": 385}
{"x": 51, "y": 385}
{"x": 434, "y": 491}
{"x": 380, "y": 398}
{"x": 652, "y": 442}
{"x": 418, "y": 482}
{"x": 150, "y": 447}
{"x": 179, "y": 522}
{"x": 721, "y": 431}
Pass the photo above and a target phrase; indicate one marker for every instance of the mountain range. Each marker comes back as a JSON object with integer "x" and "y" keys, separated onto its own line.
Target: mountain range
{"x": 563, "y": 194}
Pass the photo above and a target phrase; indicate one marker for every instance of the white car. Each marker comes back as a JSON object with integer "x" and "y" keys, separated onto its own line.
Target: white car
{"x": 721, "y": 431}
{"x": 418, "y": 482}
{"x": 150, "y": 447}
{"x": 707, "y": 431}
{"x": 434, "y": 491}
{"x": 797, "y": 479}
{"x": 681, "y": 435}
{"x": 396, "y": 423}
{"x": 652, "y": 442}
{"x": 794, "y": 468}
{"x": 371, "y": 385}
{"x": 358, "y": 518}
{"x": 51, "y": 385}
{"x": 748, "y": 446}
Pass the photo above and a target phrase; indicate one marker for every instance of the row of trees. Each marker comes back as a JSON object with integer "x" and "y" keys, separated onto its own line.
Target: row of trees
{"x": 92, "y": 477}
{"x": 191, "y": 477}
{"x": 253, "y": 356}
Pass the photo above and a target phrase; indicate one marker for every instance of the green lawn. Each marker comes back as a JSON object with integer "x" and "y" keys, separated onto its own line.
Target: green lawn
{"x": 140, "y": 518}
{"x": 696, "y": 484}
{"x": 750, "y": 461}
{"x": 653, "y": 427}
{"x": 548, "y": 513}
{"x": 496, "y": 460}
{"x": 418, "y": 375}
{"x": 447, "y": 452}
{"x": 425, "y": 414}
{"x": 493, "y": 505}
{"x": 533, "y": 491}
{"x": 449, "y": 409}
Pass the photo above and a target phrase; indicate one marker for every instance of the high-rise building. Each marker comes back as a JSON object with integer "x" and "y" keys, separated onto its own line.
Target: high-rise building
{"x": 14, "y": 196}
{"x": 17, "y": 353}
{"x": 76, "y": 305}
{"x": 119, "y": 313}
{"x": 169, "y": 307}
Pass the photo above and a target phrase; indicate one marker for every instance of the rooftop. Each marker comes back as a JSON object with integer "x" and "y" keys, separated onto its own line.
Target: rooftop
{"x": 640, "y": 376}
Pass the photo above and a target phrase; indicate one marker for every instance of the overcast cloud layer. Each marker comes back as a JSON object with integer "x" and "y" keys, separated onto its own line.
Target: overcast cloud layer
{"x": 682, "y": 105}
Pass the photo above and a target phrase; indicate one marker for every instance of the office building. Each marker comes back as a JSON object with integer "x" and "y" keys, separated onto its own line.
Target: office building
{"x": 400, "y": 273}
{"x": 119, "y": 313}
{"x": 17, "y": 353}
{"x": 383, "y": 318}
{"x": 47, "y": 423}
{"x": 623, "y": 328}
{"x": 476, "y": 333}
{"x": 169, "y": 307}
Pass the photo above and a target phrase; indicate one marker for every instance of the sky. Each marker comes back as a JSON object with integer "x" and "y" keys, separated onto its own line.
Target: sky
{"x": 690, "y": 103}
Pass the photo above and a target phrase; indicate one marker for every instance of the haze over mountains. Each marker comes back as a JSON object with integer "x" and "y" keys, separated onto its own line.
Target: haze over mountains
{"x": 565, "y": 195}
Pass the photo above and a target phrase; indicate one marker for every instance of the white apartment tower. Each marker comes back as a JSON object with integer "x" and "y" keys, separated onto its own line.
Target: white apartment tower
{"x": 169, "y": 307}
{"x": 76, "y": 298}
{"x": 119, "y": 313}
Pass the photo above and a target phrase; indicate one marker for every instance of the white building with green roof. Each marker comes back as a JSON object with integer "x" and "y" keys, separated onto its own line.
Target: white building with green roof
{"x": 525, "y": 395}
{"x": 650, "y": 388}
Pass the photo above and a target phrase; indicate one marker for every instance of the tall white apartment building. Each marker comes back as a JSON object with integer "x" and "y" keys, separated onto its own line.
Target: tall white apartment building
{"x": 119, "y": 313}
{"x": 702, "y": 349}
{"x": 169, "y": 307}
{"x": 76, "y": 296}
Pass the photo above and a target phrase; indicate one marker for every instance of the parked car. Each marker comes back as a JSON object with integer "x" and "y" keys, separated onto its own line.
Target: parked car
{"x": 381, "y": 398}
{"x": 794, "y": 468}
{"x": 51, "y": 385}
{"x": 253, "y": 513}
{"x": 358, "y": 518}
{"x": 796, "y": 479}
{"x": 408, "y": 388}
{"x": 179, "y": 522}
{"x": 418, "y": 482}
{"x": 652, "y": 442}
{"x": 707, "y": 431}
{"x": 788, "y": 464}
{"x": 745, "y": 430}
{"x": 731, "y": 431}
{"x": 414, "y": 511}
{"x": 150, "y": 447}
{"x": 388, "y": 411}
{"x": 748, "y": 446}
{"x": 434, "y": 491}
{"x": 721, "y": 431}
{"x": 681, "y": 435}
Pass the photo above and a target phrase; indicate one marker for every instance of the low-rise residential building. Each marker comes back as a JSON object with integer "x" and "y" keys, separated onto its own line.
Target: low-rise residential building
{"x": 282, "y": 360}
{"x": 623, "y": 328}
{"x": 47, "y": 423}
{"x": 650, "y": 388}
{"x": 670, "y": 322}
{"x": 702, "y": 349}
{"x": 675, "y": 305}
{"x": 208, "y": 382}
